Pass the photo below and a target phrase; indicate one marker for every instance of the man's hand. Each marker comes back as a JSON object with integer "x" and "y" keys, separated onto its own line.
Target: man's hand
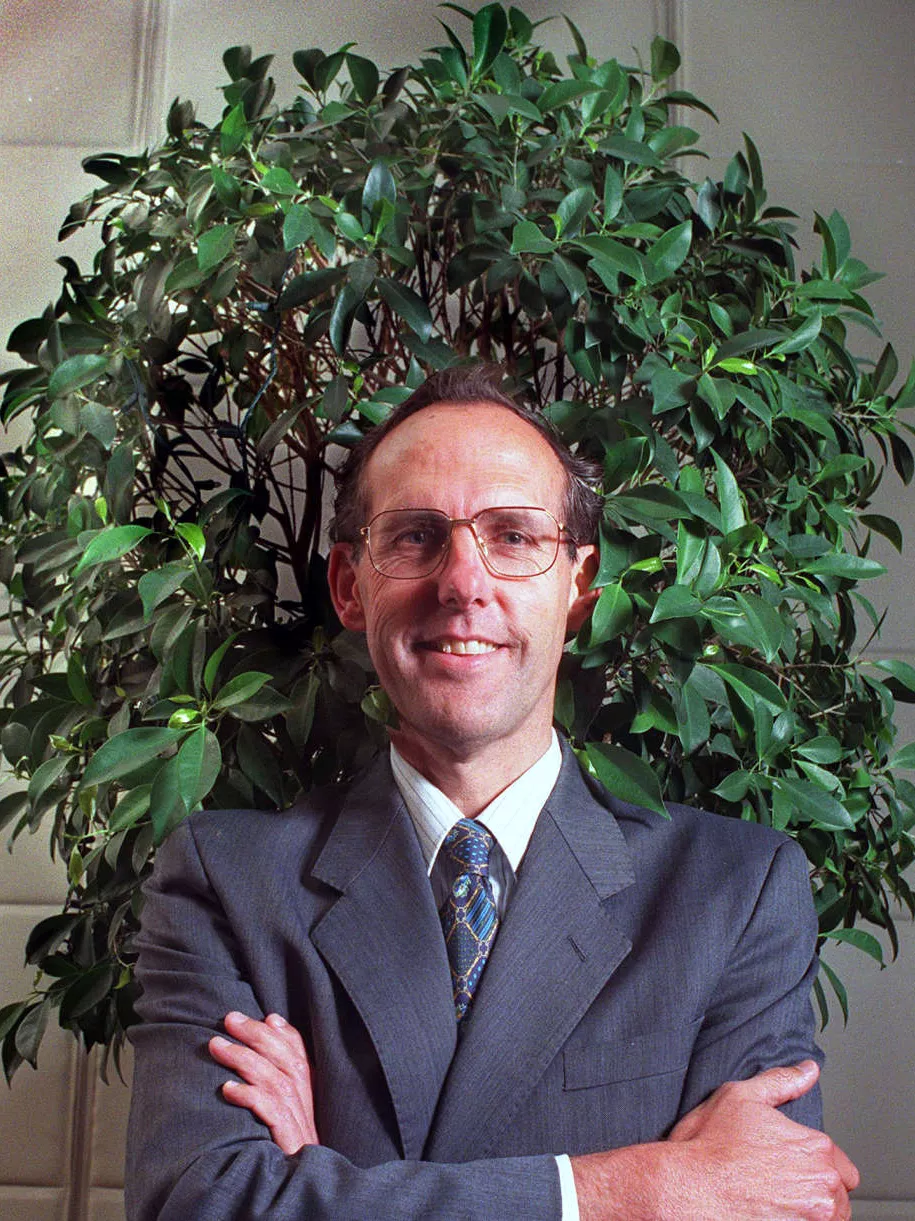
{"x": 734, "y": 1157}
{"x": 276, "y": 1077}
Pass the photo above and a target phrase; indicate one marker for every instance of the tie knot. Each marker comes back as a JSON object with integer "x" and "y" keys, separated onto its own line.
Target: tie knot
{"x": 468, "y": 845}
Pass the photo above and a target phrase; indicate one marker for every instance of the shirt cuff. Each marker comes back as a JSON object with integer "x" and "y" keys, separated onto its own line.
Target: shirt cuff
{"x": 568, "y": 1194}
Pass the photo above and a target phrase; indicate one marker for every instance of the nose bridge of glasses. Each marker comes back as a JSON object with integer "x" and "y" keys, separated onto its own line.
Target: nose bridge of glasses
{"x": 471, "y": 524}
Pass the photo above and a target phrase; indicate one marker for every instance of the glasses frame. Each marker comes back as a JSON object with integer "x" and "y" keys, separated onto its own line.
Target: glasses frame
{"x": 365, "y": 533}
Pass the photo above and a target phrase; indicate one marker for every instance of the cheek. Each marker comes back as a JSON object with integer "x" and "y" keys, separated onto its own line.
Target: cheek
{"x": 388, "y": 614}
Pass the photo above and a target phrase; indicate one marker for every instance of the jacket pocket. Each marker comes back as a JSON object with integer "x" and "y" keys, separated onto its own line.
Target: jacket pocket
{"x": 600, "y": 1061}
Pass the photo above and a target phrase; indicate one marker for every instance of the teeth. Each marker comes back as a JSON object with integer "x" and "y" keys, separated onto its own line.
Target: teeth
{"x": 464, "y": 646}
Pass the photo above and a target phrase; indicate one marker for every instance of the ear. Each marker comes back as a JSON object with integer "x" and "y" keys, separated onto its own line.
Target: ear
{"x": 344, "y": 587}
{"x": 581, "y": 596}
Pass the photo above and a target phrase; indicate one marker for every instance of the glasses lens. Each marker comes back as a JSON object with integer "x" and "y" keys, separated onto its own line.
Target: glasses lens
{"x": 518, "y": 542}
{"x": 408, "y": 542}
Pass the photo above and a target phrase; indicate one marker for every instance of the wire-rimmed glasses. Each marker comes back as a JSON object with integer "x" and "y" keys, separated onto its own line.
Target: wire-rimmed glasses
{"x": 515, "y": 541}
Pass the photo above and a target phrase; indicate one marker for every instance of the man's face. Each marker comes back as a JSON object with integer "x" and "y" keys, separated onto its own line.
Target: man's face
{"x": 460, "y": 459}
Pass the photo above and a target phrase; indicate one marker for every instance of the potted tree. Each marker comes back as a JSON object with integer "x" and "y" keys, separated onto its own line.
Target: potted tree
{"x": 264, "y": 290}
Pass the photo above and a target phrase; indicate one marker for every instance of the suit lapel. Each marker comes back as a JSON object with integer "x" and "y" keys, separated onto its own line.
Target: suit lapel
{"x": 555, "y": 951}
{"x": 382, "y": 939}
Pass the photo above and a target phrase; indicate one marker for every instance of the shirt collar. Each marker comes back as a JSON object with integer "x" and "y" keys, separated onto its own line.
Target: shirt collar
{"x": 510, "y": 816}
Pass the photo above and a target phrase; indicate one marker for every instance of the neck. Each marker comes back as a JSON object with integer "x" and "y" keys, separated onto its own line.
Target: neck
{"x": 474, "y": 777}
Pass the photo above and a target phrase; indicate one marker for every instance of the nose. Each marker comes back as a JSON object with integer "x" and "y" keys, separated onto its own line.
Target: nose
{"x": 463, "y": 579}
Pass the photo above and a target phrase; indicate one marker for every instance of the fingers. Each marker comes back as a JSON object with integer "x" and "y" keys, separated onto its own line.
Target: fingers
{"x": 776, "y": 1086}
{"x": 270, "y": 1058}
{"x": 287, "y": 1128}
{"x": 274, "y": 1038}
{"x": 847, "y": 1169}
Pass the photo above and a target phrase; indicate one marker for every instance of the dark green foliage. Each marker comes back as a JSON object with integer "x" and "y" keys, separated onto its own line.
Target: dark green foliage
{"x": 271, "y": 286}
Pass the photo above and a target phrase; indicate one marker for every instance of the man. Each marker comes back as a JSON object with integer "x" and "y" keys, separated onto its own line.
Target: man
{"x": 625, "y": 969}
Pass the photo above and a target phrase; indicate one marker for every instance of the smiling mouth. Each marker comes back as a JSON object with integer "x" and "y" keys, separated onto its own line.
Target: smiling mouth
{"x": 461, "y": 647}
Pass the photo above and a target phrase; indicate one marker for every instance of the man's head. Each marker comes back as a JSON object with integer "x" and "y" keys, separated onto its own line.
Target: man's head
{"x": 467, "y": 656}
{"x": 581, "y": 510}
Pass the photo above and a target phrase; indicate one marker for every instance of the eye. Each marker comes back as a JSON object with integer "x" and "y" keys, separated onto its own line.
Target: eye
{"x": 410, "y": 533}
{"x": 415, "y": 536}
{"x": 511, "y": 536}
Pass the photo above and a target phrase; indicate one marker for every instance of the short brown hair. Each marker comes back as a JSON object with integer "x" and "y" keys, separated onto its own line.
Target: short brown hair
{"x": 476, "y": 383}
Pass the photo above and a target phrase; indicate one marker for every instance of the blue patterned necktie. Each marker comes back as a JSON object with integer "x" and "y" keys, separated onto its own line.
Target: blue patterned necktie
{"x": 468, "y": 914}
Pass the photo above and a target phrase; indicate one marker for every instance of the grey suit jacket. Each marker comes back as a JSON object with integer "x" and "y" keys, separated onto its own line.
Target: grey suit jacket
{"x": 640, "y": 964}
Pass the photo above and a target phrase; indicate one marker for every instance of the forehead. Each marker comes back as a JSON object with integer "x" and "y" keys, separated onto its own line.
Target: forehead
{"x": 462, "y": 457}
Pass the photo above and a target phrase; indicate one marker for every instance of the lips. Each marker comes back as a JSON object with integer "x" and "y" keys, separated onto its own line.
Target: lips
{"x": 463, "y": 648}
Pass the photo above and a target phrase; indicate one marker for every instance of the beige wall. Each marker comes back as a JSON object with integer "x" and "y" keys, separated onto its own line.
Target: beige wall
{"x": 824, "y": 87}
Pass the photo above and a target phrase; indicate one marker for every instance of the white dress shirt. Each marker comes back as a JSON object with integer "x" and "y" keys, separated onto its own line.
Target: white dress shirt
{"x": 510, "y": 819}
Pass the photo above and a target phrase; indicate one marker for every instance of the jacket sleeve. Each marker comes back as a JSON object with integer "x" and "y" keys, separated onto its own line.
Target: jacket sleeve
{"x": 191, "y": 1156}
{"x": 761, "y": 1014}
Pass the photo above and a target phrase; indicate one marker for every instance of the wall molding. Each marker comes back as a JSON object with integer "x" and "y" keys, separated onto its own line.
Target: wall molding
{"x": 151, "y": 70}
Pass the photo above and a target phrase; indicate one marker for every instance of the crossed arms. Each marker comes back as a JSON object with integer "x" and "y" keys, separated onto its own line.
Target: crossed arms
{"x": 733, "y": 1156}
{"x": 231, "y": 926}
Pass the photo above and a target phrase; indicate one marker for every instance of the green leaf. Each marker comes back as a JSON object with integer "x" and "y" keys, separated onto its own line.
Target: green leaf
{"x": 626, "y": 776}
{"x": 490, "y": 26}
{"x": 76, "y": 372}
{"x": 608, "y": 251}
{"x": 110, "y": 544}
{"x": 349, "y": 226}
{"x": 561, "y": 93}
{"x": 729, "y": 498}
{"x": 633, "y": 151}
{"x": 30, "y": 1031}
{"x": 750, "y": 685}
{"x": 802, "y": 338}
{"x": 240, "y": 688}
{"x": 298, "y": 226}
{"x": 822, "y": 749}
{"x": 613, "y": 193}
{"x": 126, "y": 752}
{"x": 76, "y": 681}
{"x": 46, "y": 776}
{"x": 234, "y": 131}
{"x": 265, "y": 704}
{"x": 407, "y": 305}
{"x": 905, "y": 758}
{"x": 675, "y": 602}
{"x": 694, "y": 724}
{"x": 48, "y": 936}
{"x": 99, "y": 422}
{"x": 901, "y": 671}
{"x": 735, "y": 786}
{"x": 812, "y": 804}
{"x": 308, "y": 285}
{"x": 612, "y": 614}
{"x": 765, "y": 623}
{"x": 573, "y": 209}
{"x": 852, "y": 567}
{"x": 166, "y": 806}
{"x": 669, "y": 252}
{"x": 215, "y": 660}
{"x": 527, "y": 238}
{"x": 194, "y": 778}
{"x": 130, "y": 808}
{"x": 227, "y": 186}
{"x": 156, "y": 586}
{"x": 364, "y": 75}
{"x": 665, "y": 59}
{"x": 861, "y": 939}
{"x": 89, "y": 990}
{"x": 837, "y": 986}
{"x": 670, "y": 388}
{"x": 193, "y": 536}
{"x": 886, "y": 526}
{"x": 278, "y": 181}
{"x": 379, "y": 185}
